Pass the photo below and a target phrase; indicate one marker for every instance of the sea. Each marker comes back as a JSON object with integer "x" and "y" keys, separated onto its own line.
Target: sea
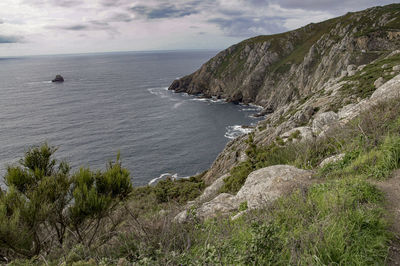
{"x": 114, "y": 103}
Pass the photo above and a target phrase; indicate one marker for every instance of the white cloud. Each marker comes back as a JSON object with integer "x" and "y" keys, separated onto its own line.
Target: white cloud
{"x": 68, "y": 26}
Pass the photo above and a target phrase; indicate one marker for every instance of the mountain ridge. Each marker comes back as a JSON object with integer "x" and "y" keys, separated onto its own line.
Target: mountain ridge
{"x": 272, "y": 70}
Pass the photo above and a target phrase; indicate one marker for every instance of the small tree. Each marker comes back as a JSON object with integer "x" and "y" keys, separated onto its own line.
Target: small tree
{"x": 43, "y": 201}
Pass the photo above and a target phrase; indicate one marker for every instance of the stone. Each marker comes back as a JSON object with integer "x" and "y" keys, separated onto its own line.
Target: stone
{"x": 323, "y": 120}
{"x": 262, "y": 187}
{"x": 265, "y": 185}
{"x": 351, "y": 68}
{"x": 396, "y": 68}
{"x": 58, "y": 78}
{"x": 351, "y": 73}
{"x": 385, "y": 66}
{"x": 379, "y": 82}
{"x": 222, "y": 204}
{"x": 305, "y": 134}
{"x": 332, "y": 159}
{"x": 212, "y": 190}
{"x": 389, "y": 90}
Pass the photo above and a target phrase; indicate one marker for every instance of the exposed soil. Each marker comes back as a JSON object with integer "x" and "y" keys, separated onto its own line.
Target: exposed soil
{"x": 391, "y": 188}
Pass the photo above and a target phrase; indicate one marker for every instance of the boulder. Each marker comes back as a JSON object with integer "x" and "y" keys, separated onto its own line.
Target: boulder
{"x": 58, "y": 78}
{"x": 323, "y": 120}
{"x": 262, "y": 187}
{"x": 396, "y": 68}
{"x": 265, "y": 185}
{"x": 389, "y": 90}
{"x": 332, "y": 159}
{"x": 222, "y": 204}
{"x": 379, "y": 82}
{"x": 352, "y": 73}
{"x": 212, "y": 190}
{"x": 351, "y": 68}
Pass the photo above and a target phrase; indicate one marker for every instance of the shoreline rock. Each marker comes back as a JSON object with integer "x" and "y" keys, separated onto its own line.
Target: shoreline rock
{"x": 58, "y": 79}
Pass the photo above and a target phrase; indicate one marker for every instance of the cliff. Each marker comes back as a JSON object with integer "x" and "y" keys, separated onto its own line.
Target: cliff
{"x": 274, "y": 70}
{"x": 309, "y": 74}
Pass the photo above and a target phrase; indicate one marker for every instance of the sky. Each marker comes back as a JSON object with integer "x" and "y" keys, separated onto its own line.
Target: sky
{"x": 35, "y": 27}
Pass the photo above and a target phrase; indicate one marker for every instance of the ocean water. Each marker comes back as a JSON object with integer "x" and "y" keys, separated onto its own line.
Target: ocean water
{"x": 115, "y": 102}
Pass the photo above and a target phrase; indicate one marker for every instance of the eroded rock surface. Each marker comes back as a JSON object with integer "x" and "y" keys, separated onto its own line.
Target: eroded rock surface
{"x": 262, "y": 187}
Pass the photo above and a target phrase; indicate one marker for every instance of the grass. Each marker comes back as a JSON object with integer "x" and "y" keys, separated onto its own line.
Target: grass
{"x": 339, "y": 222}
{"x": 362, "y": 83}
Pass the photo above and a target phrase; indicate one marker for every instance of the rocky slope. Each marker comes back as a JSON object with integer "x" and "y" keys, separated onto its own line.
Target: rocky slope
{"x": 305, "y": 79}
{"x": 265, "y": 185}
{"x": 273, "y": 70}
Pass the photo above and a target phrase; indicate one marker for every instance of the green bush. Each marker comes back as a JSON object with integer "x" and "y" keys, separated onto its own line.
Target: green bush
{"x": 43, "y": 201}
{"x": 181, "y": 190}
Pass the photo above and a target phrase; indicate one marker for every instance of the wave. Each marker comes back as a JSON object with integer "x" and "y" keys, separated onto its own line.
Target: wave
{"x": 162, "y": 92}
{"x": 235, "y": 131}
{"x": 208, "y": 100}
{"x": 163, "y": 176}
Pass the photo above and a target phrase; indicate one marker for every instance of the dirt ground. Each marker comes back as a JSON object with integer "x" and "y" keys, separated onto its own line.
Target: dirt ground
{"x": 391, "y": 188}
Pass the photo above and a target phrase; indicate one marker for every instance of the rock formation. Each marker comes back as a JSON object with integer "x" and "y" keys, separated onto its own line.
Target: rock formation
{"x": 310, "y": 81}
{"x": 58, "y": 78}
{"x": 261, "y": 187}
{"x": 274, "y": 70}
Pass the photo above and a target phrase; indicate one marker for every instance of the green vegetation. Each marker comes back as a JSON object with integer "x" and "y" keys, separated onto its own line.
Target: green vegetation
{"x": 45, "y": 207}
{"x": 339, "y": 222}
{"x": 362, "y": 83}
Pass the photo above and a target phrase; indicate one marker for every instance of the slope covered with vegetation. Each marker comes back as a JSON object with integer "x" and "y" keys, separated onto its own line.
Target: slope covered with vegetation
{"x": 50, "y": 216}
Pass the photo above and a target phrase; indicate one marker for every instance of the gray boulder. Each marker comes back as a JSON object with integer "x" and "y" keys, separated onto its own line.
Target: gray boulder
{"x": 267, "y": 184}
{"x": 332, "y": 159}
{"x": 324, "y": 120}
{"x": 261, "y": 187}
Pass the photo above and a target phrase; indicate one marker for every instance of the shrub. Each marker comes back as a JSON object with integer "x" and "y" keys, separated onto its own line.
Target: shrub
{"x": 181, "y": 190}
{"x": 43, "y": 201}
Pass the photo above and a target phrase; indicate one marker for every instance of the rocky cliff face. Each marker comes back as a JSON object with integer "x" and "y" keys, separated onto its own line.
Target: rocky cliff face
{"x": 305, "y": 79}
{"x": 274, "y": 70}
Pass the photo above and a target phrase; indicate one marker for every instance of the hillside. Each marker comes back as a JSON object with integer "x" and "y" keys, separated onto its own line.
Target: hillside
{"x": 316, "y": 182}
{"x": 274, "y": 70}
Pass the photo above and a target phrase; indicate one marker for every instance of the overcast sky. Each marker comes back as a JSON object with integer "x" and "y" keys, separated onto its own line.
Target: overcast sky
{"x": 78, "y": 26}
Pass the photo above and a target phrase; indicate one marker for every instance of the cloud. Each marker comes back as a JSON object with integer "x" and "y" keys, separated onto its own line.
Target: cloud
{"x": 338, "y": 6}
{"x": 57, "y": 26}
{"x": 93, "y": 25}
{"x": 120, "y": 17}
{"x": 77, "y": 27}
{"x": 10, "y": 39}
{"x": 163, "y": 11}
{"x": 59, "y": 3}
{"x": 249, "y": 26}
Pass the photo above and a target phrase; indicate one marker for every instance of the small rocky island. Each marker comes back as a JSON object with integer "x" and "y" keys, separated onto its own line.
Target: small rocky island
{"x": 58, "y": 78}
